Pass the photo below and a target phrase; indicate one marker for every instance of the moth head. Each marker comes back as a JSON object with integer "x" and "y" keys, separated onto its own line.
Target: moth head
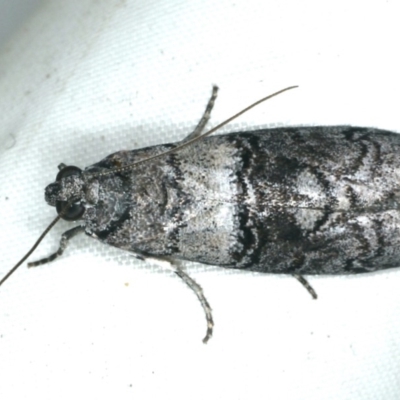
{"x": 68, "y": 186}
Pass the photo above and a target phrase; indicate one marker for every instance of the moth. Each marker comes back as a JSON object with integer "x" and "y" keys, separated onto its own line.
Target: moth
{"x": 293, "y": 200}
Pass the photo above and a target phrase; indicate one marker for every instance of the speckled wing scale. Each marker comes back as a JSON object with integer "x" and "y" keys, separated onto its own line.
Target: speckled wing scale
{"x": 297, "y": 200}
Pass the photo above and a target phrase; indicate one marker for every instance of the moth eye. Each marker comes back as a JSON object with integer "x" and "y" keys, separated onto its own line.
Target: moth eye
{"x": 68, "y": 171}
{"x": 74, "y": 212}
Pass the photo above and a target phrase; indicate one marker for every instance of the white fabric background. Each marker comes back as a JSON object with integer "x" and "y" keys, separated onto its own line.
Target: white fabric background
{"x": 82, "y": 79}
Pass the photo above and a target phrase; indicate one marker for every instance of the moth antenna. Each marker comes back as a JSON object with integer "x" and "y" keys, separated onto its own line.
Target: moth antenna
{"x": 189, "y": 142}
{"x": 41, "y": 237}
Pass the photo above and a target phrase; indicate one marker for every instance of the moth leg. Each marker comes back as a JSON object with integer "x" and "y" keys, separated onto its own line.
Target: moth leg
{"x": 197, "y": 289}
{"x": 204, "y": 119}
{"x": 304, "y": 282}
{"x": 65, "y": 237}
